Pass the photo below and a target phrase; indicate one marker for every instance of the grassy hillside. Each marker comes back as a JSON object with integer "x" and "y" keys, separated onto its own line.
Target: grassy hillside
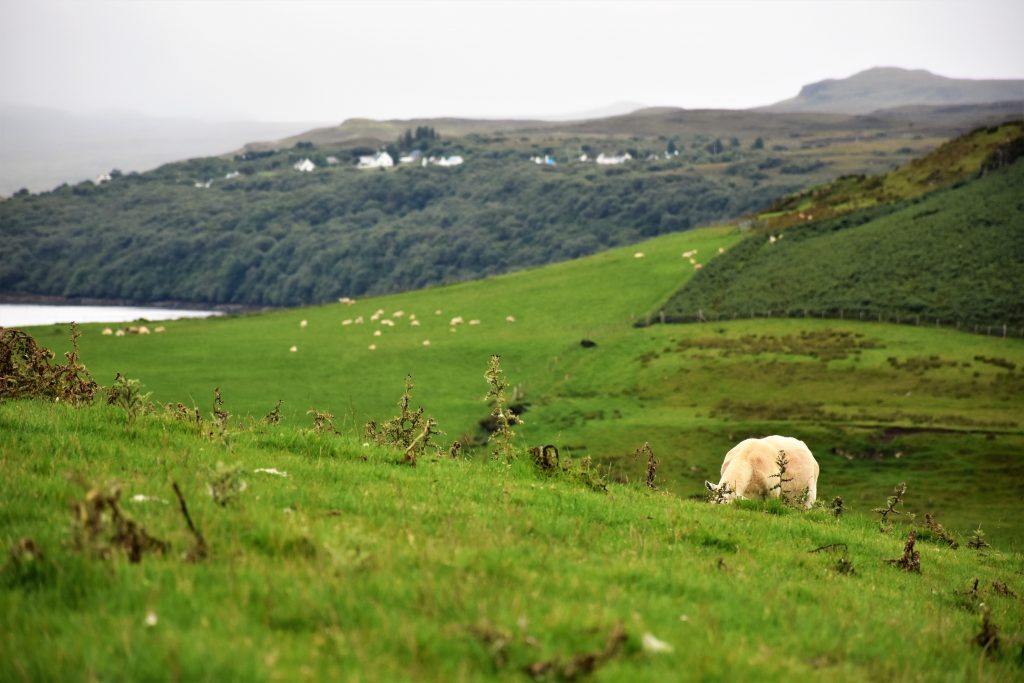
{"x": 355, "y": 567}
{"x": 958, "y": 160}
{"x": 952, "y": 257}
{"x": 877, "y": 403}
{"x": 252, "y": 230}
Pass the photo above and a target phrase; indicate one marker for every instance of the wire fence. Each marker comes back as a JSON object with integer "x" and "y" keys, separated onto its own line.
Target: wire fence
{"x": 992, "y": 329}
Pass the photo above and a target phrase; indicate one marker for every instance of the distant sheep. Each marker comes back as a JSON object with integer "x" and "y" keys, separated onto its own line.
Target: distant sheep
{"x": 474, "y": 322}
{"x": 510, "y": 319}
{"x": 347, "y": 322}
{"x": 159, "y": 329}
{"x": 638, "y": 254}
{"x": 303, "y": 323}
{"x": 119, "y": 333}
{"x": 414, "y": 323}
{"x": 107, "y": 332}
{"x": 143, "y": 329}
{"x": 426, "y": 342}
{"x": 372, "y": 347}
{"x": 457, "y": 320}
{"x": 751, "y": 470}
{"x": 293, "y": 349}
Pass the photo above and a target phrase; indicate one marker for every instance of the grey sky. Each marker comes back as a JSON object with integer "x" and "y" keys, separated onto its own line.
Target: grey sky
{"x": 325, "y": 60}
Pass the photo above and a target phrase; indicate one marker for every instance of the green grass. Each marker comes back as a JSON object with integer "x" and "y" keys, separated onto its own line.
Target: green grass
{"x": 691, "y": 391}
{"x": 355, "y": 567}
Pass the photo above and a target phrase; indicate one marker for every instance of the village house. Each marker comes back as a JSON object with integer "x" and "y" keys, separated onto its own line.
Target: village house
{"x": 379, "y": 160}
{"x": 305, "y": 166}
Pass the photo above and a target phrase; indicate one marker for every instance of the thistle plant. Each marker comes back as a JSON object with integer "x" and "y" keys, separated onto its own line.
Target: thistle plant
{"x": 127, "y": 395}
{"x": 646, "y": 453}
{"x": 782, "y": 462}
{"x": 503, "y": 417}
{"x": 220, "y": 417}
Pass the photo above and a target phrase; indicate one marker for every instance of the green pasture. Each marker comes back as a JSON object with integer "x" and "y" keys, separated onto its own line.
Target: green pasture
{"x": 933, "y": 416}
{"x": 346, "y": 565}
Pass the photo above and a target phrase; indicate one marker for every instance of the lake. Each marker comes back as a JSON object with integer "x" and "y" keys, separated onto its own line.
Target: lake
{"x": 21, "y": 315}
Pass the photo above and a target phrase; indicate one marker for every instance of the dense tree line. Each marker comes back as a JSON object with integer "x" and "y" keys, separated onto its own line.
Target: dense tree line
{"x": 274, "y": 236}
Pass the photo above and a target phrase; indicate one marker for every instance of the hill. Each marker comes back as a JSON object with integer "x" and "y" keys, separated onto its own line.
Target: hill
{"x": 950, "y": 258}
{"x": 41, "y": 148}
{"x": 890, "y": 87}
{"x": 250, "y": 229}
{"x": 319, "y": 558}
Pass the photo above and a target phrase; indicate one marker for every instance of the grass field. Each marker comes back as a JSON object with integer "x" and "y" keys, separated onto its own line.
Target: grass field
{"x": 934, "y": 415}
{"x": 355, "y": 567}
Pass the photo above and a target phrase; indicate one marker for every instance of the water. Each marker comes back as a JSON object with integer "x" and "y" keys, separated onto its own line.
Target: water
{"x": 22, "y": 315}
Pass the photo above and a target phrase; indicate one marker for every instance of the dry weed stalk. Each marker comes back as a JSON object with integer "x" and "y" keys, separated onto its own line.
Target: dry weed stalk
{"x": 646, "y": 453}
{"x": 323, "y": 422}
{"x": 100, "y": 526}
{"x": 977, "y": 540}
{"x": 26, "y": 372}
{"x": 939, "y": 531}
{"x": 200, "y": 551}
{"x": 274, "y": 416}
{"x": 581, "y": 664}
{"x": 910, "y": 561}
{"x": 545, "y": 457}
{"x": 884, "y": 525}
{"x": 782, "y": 462}
{"x": 410, "y": 430}
{"x": 220, "y": 417}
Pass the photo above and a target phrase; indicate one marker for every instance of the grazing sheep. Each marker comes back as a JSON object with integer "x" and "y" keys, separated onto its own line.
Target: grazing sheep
{"x": 751, "y": 470}
{"x": 107, "y": 332}
{"x": 389, "y": 323}
{"x": 346, "y": 300}
{"x": 372, "y": 347}
{"x": 376, "y": 333}
{"x": 510, "y": 319}
{"x": 293, "y": 349}
{"x": 638, "y": 254}
{"x": 119, "y": 333}
{"x": 474, "y": 322}
{"x": 426, "y": 342}
{"x": 159, "y": 328}
{"x": 398, "y": 314}
{"x": 358, "y": 321}
{"x": 457, "y": 320}
{"x": 143, "y": 329}
{"x": 414, "y": 323}
{"x": 303, "y": 323}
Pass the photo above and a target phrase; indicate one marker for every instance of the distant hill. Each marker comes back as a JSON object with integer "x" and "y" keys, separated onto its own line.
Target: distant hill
{"x": 41, "y": 148}
{"x": 953, "y": 256}
{"x": 890, "y": 87}
{"x": 250, "y": 229}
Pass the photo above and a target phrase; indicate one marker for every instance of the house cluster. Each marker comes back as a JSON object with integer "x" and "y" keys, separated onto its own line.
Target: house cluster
{"x": 385, "y": 160}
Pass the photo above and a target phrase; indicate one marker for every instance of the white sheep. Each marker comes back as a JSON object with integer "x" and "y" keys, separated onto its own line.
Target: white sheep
{"x": 414, "y": 323}
{"x": 347, "y": 321}
{"x": 457, "y": 320}
{"x": 303, "y": 323}
{"x": 751, "y": 470}
{"x": 159, "y": 328}
{"x": 510, "y": 319}
{"x": 119, "y": 333}
{"x": 474, "y": 322}
{"x": 107, "y": 332}
{"x": 294, "y": 348}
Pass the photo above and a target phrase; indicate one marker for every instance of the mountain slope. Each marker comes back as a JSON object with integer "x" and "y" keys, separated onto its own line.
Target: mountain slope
{"x": 889, "y": 87}
{"x": 953, "y": 256}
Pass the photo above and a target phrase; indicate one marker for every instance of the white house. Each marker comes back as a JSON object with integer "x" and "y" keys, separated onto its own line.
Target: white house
{"x": 233, "y": 174}
{"x": 305, "y": 166}
{"x": 102, "y": 178}
{"x": 332, "y": 161}
{"x": 612, "y": 160}
{"x": 380, "y": 160}
{"x": 411, "y": 158}
{"x": 454, "y": 160}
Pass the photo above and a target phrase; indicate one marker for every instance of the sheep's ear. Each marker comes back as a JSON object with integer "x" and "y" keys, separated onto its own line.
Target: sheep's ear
{"x": 709, "y": 486}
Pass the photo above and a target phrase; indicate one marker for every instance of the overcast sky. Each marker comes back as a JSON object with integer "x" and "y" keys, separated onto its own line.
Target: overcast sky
{"x": 331, "y": 60}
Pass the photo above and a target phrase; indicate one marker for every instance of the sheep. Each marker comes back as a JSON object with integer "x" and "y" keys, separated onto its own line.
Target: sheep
{"x": 347, "y": 321}
{"x": 119, "y": 333}
{"x": 303, "y": 323}
{"x": 294, "y": 348}
{"x": 510, "y": 318}
{"x": 107, "y": 332}
{"x": 638, "y": 254}
{"x": 389, "y": 323}
{"x": 358, "y": 321}
{"x": 474, "y": 322}
{"x": 457, "y": 320}
{"x": 751, "y": 470}
{"x": 398, "y": 314}
{"x": 372, "y": 347}
{"x": 159, "y": 328}
{"x": 426, "y": 342}
{"x": 414, "y": 323}
{"x": 143, "y": 330}
{"x": 376, "y": 333}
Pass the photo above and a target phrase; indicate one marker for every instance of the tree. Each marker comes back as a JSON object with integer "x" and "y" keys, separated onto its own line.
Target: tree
{"x": 758, "y": 144}
{"x": 716, "y": 147}
{"x": 671, "y": 148}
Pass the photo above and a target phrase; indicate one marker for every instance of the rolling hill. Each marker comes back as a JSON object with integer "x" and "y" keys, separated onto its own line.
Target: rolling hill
{"x": 952, "y": 257}
{"x": 891, "y": 87}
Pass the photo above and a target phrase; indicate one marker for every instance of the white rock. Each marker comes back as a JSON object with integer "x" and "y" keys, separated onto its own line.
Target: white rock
{"x": 653, "y": 645}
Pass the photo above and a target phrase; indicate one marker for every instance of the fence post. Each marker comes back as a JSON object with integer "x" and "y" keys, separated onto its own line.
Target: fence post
{"x": 661, "y": 316}
{"x": 1004, "y": 331}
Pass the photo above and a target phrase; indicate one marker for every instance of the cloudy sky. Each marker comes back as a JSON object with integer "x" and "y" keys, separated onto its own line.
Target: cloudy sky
{"x": 330, "y": 60}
